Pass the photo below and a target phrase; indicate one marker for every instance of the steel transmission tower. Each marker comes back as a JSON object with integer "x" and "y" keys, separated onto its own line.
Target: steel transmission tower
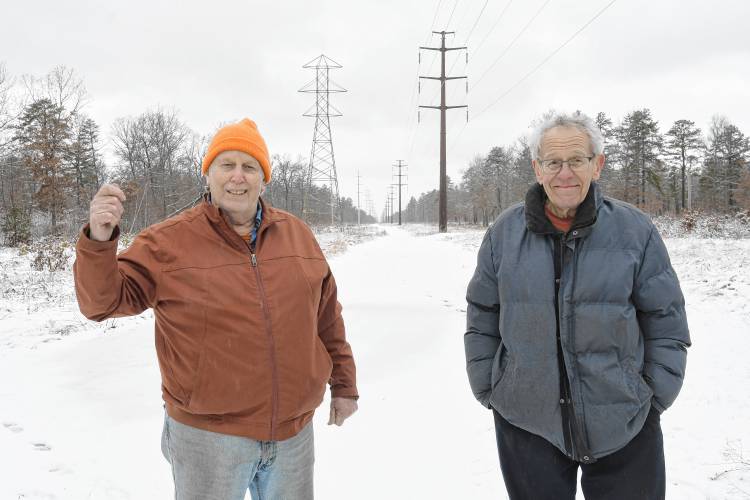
{"x": 322, "y": 167}
{"x": 359, "y": 207}
{"x": 443, "y": 205}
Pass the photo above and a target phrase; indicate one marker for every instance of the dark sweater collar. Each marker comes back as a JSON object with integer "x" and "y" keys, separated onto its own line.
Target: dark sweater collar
{"x": 537, "y": 221}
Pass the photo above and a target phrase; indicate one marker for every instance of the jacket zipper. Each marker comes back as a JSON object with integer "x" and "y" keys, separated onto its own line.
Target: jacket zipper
{"x": 573, "y": 433}
{"x": 565, "y": 399}
{"x": 271, "y": 345}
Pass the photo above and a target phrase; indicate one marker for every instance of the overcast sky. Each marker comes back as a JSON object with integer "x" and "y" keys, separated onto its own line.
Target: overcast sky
{"x": 221, "y": 60}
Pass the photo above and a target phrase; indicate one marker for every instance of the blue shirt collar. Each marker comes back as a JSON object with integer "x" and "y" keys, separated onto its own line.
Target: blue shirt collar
{"x": 258, "y": 218}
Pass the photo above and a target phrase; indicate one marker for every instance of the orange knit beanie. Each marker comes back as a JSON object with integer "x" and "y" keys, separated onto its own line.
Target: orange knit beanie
{"x": 242, "y": 136}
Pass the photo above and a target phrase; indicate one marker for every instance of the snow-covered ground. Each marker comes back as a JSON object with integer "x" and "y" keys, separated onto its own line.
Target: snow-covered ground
{"x": 81, "y": 414}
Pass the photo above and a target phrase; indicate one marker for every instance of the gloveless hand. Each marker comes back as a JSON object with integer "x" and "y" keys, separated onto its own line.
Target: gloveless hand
{"x": 105, "y": 212}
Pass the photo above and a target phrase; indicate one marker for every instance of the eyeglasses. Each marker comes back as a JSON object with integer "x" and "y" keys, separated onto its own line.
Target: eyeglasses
{"x": 575, "y": 163}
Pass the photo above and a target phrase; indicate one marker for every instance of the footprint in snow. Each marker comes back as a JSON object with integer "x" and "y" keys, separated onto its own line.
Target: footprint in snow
{"x": 41, "y": 447}
{"x": 13, "y": 427}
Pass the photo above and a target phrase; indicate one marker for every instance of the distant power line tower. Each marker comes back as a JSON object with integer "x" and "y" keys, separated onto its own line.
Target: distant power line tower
{"x": 322, "y": 167}
{"x": 359, "y": 206}
{"x": 443, "y": 202}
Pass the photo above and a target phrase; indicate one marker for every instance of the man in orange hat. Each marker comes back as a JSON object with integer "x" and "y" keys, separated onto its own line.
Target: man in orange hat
{"x": 248, "y": 326}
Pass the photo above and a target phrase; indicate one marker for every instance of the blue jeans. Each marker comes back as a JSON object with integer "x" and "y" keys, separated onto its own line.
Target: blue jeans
{"x": 208, "y": 465}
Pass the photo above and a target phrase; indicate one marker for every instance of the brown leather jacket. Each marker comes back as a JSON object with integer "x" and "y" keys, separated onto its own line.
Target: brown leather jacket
{"x": 246, "y": 342}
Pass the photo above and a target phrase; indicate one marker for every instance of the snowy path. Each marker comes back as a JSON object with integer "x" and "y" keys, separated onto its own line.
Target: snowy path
{"x": 419, "y": 434}
{"x": 81, "y": 418}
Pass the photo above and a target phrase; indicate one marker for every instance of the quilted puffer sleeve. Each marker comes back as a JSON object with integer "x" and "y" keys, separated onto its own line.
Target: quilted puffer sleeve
{"x": 661, "y": 314}
{"x": 482, "y": 337}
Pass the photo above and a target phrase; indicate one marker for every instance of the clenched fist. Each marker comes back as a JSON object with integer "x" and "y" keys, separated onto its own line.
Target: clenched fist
{"x": 105, "y": 211}
{"x": 341, "y": 409}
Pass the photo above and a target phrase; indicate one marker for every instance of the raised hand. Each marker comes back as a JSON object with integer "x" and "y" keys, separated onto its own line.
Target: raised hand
{"x": 105, "y": 212}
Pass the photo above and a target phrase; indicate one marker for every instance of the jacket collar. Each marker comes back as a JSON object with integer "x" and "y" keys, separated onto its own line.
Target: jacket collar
{"x": 214, "y": 215}
{"x": 270, "y": 214}
{"x": 537, "y": 221}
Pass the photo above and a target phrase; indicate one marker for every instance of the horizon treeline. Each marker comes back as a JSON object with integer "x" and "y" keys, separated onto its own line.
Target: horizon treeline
{"x": 52, "y": 163}
{"x": 683, "y": 168}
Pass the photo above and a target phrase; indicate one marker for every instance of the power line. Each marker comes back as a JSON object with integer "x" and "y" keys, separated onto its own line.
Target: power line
{"x": 455, "y": 61}
{"x": 446, "y": 27}
{"x": 434, "y": 17}
{"x": 461, "y": 21}
{"x": 477, "y": 21}
{"x": 450, "y": 18}
{"x": 413, "y": 128}
{"x": 497, "y": 21}
{"x": 546, "y": 59}
{"x": 512, "y": 42}
{"x": 410, "y": 112}
{"x": 537, "y": 67}
{"x": 433, "y": 28}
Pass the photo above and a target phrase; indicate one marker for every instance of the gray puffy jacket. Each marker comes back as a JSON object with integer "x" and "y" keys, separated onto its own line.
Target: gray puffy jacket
{"x": 622, "y": 323}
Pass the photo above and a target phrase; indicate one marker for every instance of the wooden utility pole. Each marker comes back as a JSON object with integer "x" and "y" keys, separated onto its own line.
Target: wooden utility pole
{"x": 443, "y": 203}
{"x": 400, "y": 175}
{"x": 390, "y": 203}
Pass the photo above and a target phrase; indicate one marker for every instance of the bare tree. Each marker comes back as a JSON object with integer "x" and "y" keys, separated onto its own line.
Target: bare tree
{"x": 157, "y": 156}
{"x": 62, "y": 87}
{"x": 726, "y": 158}
{"x": 6, "y": 116}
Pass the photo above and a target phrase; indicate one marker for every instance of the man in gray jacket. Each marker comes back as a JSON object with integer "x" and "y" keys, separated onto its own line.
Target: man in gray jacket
{"x": 576, "y": 330}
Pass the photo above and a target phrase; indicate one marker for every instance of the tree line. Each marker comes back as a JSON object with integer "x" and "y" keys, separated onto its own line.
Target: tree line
{"x": 52, "y": 162}
{"x": 681, "y": 169}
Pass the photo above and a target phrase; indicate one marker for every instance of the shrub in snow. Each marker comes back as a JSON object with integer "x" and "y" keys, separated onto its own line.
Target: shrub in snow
{"x": 49, "y": 254}
{"x": 700, "y": 225}
{"x": 16, "y": 227}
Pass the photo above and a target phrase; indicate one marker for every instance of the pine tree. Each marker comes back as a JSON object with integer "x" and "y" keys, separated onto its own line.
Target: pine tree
{"x": 683, "y": 145}
{"x": 85, "y": 164}
{"x": 639, "y": 146}
{"x": 42, "y": 136}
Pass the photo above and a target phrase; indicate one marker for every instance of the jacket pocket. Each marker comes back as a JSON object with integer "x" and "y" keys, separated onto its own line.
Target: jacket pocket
{"x": 308, "y": 376}
{"x": 499, "y": 365}
{"x": 324, "y": 354}
{"x": 194, "y": 383}
{"x": 230, "y": 384}
{"x": 640, "y": 389}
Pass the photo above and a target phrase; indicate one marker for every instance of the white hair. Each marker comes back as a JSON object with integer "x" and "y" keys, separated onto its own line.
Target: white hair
{"x": 578, "y": 120}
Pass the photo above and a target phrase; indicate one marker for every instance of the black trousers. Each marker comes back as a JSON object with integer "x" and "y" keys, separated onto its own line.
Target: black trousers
{"x": 533, "y": 469}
